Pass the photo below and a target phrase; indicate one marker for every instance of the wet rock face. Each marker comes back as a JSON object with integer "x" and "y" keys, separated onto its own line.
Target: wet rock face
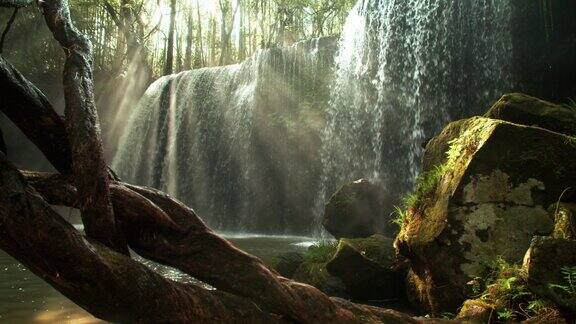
{"x": 548, "y": 264}
{"x": 358, "y": 209}
{"x": 496, "y": 182}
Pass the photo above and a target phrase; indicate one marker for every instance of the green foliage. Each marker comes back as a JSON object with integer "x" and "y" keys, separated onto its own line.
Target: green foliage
{"x": 506, "y": 289}
{"x": 569, "y": 284}
{"x": 571, "y": 104}
{"x": 321, "y": 252}
{"x": 400, "y": 215}
{"x": 425, "y": 185}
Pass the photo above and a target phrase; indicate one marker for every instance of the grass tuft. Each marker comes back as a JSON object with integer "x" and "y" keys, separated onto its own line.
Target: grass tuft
{"x": 321, "y": 252}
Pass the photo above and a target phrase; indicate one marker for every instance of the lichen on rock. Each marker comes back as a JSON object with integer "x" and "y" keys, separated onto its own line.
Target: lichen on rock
{"x": 498, "y": 179}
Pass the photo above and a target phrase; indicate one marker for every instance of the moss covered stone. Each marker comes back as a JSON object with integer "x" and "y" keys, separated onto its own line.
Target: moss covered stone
{"x": 358, "y": 209}
{"x": 522, "y": 109}
{"x": 550, "y": 267}
{"x": 312, "y": 269}
{"x": 492, "y": 197}
{"x": 370, "y": 269}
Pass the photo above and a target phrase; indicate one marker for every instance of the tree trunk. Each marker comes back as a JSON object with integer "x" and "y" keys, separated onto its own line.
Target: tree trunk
{"x": 107, "y": 284}
{"x": 88, "y": 164}
{"x": 2, "y": 143}
{"x": 27, "y": 107}
{"x": 189, "y": 39}
{"x": 169, "y": 63}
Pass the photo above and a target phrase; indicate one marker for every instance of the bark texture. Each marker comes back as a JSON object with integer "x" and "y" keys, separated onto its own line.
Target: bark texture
{"x": 164, "y": 230}
{"x": 27, "y": 107}
{"x": 108, "y": 284}
{"x": 88, "y": 164}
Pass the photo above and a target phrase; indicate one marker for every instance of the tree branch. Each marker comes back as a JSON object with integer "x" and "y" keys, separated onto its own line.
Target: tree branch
{"x": 107, "y": 284}
{"x": 164, "y": 230}
{"x": 89, "y": 167}
{"x": 27, "y": 107}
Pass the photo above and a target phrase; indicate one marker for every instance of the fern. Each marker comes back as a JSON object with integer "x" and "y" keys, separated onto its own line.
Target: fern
{"x": 569, "y": 285}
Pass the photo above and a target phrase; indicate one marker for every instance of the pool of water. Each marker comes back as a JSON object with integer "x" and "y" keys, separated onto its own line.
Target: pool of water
{"x": 25, "y": 298}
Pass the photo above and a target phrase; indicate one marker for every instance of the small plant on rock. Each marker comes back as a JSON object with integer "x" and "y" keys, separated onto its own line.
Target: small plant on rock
{"x": 569, "y": 285}
{"x": 507, "y": 290}
{"x": 321, "y": 252}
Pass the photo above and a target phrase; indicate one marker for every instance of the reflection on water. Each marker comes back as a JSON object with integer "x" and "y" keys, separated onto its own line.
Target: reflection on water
{"x": 25, "y": 298}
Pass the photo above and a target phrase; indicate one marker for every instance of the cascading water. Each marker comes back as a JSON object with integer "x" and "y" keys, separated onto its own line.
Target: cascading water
{"x": 259, "y": 146}
{"x": 403, "y": 70}
{"x": 238, "y": 143}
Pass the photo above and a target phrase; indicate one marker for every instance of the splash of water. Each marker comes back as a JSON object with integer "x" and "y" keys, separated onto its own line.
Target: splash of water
{"x": 403, "y": 70}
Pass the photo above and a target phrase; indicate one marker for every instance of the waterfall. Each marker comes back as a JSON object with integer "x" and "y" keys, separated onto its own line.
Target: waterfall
{"x": 404, "y": 69}
{"x": 239, "y": 143}
{"x": 259, "y": 146}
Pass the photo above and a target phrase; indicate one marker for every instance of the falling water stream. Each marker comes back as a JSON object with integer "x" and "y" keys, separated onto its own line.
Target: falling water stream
{"x": 403, "y": 70}
{"x": 236, "y": 142}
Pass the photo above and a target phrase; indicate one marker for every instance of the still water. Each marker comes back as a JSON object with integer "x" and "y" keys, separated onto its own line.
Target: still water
{"x": 25, "y": 298}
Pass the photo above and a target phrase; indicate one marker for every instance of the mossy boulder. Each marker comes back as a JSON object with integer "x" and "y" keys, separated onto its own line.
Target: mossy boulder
{"x": 370, "y": 269}
{"x": 522, "y": 109}
{"x": 490, "y": 187}
{"x": 312, "y": 269}
{"x": 288, "y": 263}
{"x": 550, "y": 267}
{"x": 358, "y": 209}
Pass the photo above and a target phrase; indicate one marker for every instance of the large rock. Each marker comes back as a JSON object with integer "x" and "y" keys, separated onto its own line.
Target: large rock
{"x": 370, "y": 269}
{"x": 484, "y": 192}
{"x": 547, "y": 264}
{"x": 289, "y": 263}
{"x": 358, "y": 209}
{"x": 525, "y": 110}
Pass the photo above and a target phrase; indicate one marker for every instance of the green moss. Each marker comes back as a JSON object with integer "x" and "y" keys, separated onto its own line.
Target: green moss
{"x": 425, "y": 185}
{"x": 313, "y": 269}
{"x": 314, "y": 274}
{"x": 464, "y": 145}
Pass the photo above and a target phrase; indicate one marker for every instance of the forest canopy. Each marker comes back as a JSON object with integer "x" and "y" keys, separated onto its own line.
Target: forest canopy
{"x": 174, "y": 35}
